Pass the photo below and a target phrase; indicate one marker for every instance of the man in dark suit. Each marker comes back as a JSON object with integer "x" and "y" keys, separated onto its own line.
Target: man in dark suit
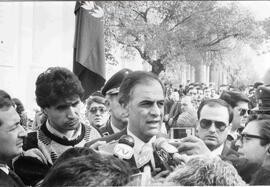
{"x": 117, "y": 120}
{"x": 142, "y": 98}
{"x": 11, "y": 140}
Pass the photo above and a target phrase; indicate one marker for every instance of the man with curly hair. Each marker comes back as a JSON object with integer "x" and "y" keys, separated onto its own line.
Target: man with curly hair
{"x": 58, "y": 93}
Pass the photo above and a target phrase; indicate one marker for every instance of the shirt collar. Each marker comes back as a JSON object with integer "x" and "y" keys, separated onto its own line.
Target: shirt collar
{"x": 73, "y": 134}
{"x": 217, "y": 151}
{"x": 4, "y": 168}
{"x": 138, "y": 143}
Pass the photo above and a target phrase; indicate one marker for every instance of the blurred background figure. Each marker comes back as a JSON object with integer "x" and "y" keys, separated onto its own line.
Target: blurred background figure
{"x": 22, "y": 113}
{"x": 96, "y": 112}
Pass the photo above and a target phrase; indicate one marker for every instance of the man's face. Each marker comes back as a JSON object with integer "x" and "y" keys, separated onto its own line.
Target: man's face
{"x": 97, "y": 114}
{"x": 192, "y": 93}
{"x": 250, "y": 148}
{"x": 240, "y": 114}
{"x": 213, "y": 136}
{"x": 65, "y": 115}
{"x": 186, "y": 103}
{"x": 146, "y": 109}
{"x": 11, "y": 134}
{"x": 116, "y": 110}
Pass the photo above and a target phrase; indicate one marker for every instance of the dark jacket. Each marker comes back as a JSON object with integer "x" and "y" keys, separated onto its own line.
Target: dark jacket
{"x": 10, "y": 180}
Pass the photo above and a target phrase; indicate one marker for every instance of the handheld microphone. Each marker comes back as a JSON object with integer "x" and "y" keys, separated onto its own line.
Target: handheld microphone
{"x": 124, "y": 148}
{"x": 167, "y": 153}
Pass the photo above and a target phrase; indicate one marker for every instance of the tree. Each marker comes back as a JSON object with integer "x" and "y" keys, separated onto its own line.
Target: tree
{"x": 161, "y": 31}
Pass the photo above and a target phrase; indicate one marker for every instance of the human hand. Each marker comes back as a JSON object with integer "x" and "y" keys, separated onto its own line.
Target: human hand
{"x": 192, "y": 145}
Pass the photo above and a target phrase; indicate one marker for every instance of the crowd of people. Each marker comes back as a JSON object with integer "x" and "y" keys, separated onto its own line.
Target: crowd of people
{"x": 122, "y": 135}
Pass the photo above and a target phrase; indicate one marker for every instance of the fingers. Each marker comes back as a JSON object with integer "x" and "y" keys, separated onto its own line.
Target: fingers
{"x": 187, "y": 148}
{"x": 97, "y": 144}
{"x": 191, "y": 139}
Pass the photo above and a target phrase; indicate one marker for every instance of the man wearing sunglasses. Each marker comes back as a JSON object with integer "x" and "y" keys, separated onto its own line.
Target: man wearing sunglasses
{"x": 96, "y": 111}
{"x": 214, "y": 117}
{"x": 239, "y": 103}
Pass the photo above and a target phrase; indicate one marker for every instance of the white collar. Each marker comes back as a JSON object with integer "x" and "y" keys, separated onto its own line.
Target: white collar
{"x": 71, "y": 135}
{"x": 138, "y": 143}
{"x": 4, "y": 168}
{"x": 217, "y": 151}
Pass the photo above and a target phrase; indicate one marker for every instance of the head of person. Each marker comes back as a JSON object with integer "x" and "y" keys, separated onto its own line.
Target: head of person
{"x": 222, "y": 88}
{"x": 207, "y": 92}
{"x": 59, "y": 93}
{"x": 239, "y": 103}
{"x": 11, "y": 131}
{"x": 96, "y": 111}
{"x": 192, "y": 92}
{"x": 142, "y": 96}
{"x": 110, "y": 91}
{"x": 18, "y": 105}
{"x": 89, "y": 170}
{"x": 214, "y": 117}
{"x": 205, "y": 171}
{"x": 186, "y": 103}
{"x": 254, "y": 143}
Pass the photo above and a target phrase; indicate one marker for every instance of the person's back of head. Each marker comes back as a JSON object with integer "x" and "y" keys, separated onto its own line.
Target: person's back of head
{"x": 90, "y": 170}
{"x": 206, "y": 171}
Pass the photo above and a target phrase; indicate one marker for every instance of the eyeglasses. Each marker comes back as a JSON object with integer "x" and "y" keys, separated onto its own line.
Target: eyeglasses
{"x": 206, "y": 124}
{"x": 245, "y": 136}
{"x": 244, "y": 111}
{"x": 94, "y": 110}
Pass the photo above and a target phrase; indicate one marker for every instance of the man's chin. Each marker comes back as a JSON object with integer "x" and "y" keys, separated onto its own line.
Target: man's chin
{"x": 211, "y": 144}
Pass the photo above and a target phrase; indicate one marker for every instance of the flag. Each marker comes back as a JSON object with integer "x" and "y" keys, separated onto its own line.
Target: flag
{"x": 88, "y": 55}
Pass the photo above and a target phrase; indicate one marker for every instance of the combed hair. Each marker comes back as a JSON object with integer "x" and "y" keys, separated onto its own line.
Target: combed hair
{"x": 264, "y": 125}
{"x": 89, "y": 170}
{"x": 215, "y": 102}
{"x": 131, "y": 80}
{"x": 55, "y": 84}
{"x": 19, "y": 105}
{"x": 233, "y": 97}
{"x": 206, "y": 171}
{"x": 94, "y": 99}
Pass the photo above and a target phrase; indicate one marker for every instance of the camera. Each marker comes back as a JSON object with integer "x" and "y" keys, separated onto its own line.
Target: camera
{"x": 177, "y": 133}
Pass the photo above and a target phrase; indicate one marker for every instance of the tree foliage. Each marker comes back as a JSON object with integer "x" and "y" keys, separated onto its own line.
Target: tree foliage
{"x": 164, "y": 31}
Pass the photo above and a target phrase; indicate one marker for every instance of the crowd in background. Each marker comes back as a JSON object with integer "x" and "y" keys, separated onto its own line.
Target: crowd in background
{"x": 120, "y": 135}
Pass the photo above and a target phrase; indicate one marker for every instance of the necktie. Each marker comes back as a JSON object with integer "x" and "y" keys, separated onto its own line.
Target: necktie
{"x": 15, "y": 177}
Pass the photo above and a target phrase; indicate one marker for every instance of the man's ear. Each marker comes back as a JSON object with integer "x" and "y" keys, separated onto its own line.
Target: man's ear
{"x": 125, "y": 108}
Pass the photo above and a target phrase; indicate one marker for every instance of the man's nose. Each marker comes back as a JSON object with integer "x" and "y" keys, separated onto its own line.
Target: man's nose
{"x": 72, "y": 112}
{"x": 238, "y": 143}
{"x": 155, "y": 110}
{"x": 212, "y": 127}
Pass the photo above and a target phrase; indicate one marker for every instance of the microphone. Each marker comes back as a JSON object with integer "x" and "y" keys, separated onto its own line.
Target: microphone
{"x": 124, "y": 148}
{"x": 167, "y": 153}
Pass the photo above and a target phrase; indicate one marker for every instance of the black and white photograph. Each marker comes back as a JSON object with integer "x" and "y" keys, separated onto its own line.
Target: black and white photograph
{"x": 134, "y": 93}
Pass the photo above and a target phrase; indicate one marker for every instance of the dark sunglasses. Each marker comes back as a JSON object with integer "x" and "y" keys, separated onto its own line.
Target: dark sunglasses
{"x": 244, "y": 136}
{"x": 94, "y": 110}
{"x": 206, "y": 124}
{"x": 244, "y": 111}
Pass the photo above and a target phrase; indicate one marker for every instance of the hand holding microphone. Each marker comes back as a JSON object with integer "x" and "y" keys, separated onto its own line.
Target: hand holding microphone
{"x": 168, "y": 153}
{"x": 124, "y": 148}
